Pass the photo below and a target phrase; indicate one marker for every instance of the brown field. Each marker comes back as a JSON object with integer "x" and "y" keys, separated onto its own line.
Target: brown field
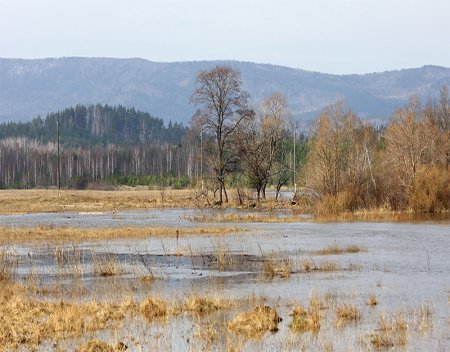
{"x": 47, "y": 200}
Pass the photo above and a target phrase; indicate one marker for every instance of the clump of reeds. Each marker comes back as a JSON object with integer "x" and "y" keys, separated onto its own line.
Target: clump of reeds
{"x": 8, "y": 264}
{"x": 327, "y": 265}
{"x": 372, "y": 300}
{"x": 308, "y": 265}
{"x": 390, "y": 332}
{"x": 347, "y": 313}
{"x": 307, "y": 319}
{"x": 423, "y": 318}
{"x": 107, "y": 266}
{"x": 201, "y": 305}
{"x": 153, "y": 308}
{"x": 336, "y": 249}
{"x": 221, "y": 258}
{"x": 207, "y": 333}
{"x": 96, "y": 346}
{"x": 255, "y": 323}
{"x": 273, "y": 268}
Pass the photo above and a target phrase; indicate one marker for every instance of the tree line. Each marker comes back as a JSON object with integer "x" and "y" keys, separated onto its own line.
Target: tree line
{"x": 342, "y": 163}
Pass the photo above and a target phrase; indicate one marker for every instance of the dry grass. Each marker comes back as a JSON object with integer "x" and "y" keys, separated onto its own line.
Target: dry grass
{"x": 382, "y": 215}
{"x": 96, "y": 346}
{"x": 347, "y": 313}
{"x": 304, "y": 320}
{"x": 152, "y": 309}
{"x": 390, "y": 332}
{"x": 8, "y": 266}
{"x": 336, "y": 249}
{"x": 273, "y": 268}
{"x": 372, "y": 300}
{"x": 202, "y": 305}
{"x": 254, "y": 323}
{"x": 41, "y": 234}
{"x": 308, "y": 265}
{"x": 207, "y": 333}
{"x": 423, "y": 318}
{"x": 107, "y": 266}
{"x": 47, "y": 200}
{"x": 25, "y": 320}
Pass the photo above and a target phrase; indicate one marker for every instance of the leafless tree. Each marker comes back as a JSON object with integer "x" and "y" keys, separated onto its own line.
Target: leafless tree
{"x": 260, "y": 139}
{"x": 223, "y": 105}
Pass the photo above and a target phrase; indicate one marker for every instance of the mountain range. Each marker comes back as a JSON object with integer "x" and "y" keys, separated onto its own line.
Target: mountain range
{"x": 29, "y": 88}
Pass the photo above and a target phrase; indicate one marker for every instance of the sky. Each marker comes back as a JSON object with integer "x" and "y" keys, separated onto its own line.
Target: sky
{"x": 332, "y": 36}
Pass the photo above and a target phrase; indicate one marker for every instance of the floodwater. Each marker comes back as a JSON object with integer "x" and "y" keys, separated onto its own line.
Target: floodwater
{"x": 405, "y": 265}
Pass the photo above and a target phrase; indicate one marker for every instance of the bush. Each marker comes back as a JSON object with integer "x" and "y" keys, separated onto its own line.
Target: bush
{"x": 428, "y": 187}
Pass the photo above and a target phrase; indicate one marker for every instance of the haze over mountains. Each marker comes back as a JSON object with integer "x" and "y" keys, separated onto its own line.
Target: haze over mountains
{"x": 36, "y": 87}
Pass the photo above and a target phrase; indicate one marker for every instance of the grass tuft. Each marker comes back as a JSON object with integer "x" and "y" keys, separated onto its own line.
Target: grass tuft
{"x": 153, "y": 309}
{"x": 347, "y": 313}
{"x": 390, "y": 332}
{"x": 96, "y": 346}
{"x": 254, "y": 323}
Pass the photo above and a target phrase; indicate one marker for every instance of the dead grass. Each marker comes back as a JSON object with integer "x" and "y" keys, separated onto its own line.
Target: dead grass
{"x": 347, "y": 313}
{"x": 107, "y": 266}
{"x": 96, "y": 346}
{"x": 25, "y": 320}
{"x": 47, "y": 200}
{"x": 423, "y": 318}
{"x": 8, "y": 266}
{"x": 391, "y": 331}
{"x": 336, "y": 249}
{"x": 307, "y": 319}
{"x": 254, "y": 323}
{"x": 277, "y": 268}
{"x": 308, "y": 265}
{"x": 372, "y": 300}
{"x": 40, "y": 234}
{"x": 207, "y": 333}
{"x": 152, "y": 309}
{"x": 202, "y": 305}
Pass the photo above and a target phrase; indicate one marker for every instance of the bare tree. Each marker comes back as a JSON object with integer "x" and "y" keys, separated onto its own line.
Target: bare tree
{"x": 224, "y": 106}
{"x": 260, "y": 141}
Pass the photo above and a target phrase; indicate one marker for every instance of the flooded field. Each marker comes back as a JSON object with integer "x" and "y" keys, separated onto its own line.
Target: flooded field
{"x": 333, "y": 286}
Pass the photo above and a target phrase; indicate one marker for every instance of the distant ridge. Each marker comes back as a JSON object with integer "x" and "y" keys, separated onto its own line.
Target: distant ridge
{"x": 36, "y": 87}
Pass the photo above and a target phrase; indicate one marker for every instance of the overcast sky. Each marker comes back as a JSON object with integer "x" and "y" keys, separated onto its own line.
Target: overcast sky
{"x": 334, "y": 36}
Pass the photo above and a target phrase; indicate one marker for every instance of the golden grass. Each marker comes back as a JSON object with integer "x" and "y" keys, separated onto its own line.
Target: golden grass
{"x": 336, "y": 249}
{"x": 96, "y": 346}
{"x": 423, "y": 319}
{"x": 307, "y": 319}
{"x": 8, "y": 264}
{"x": 390, "y": 332}
{"x": 308, "y": 265}
{"x": 382, "y": 215}
{"x": 273, "y": 268}
{"x": 202, "y": 305}
{"x": 25, "y": 320}
{"x": 254, "y": 323}
{"x": 47, "y": 200}
{"x": 372, "y": 300}
{"x": 153, "y": 309}
{"x": 107, "y": 266}
{"x": 347, "y": 313}
{"x": 41, "y": 233}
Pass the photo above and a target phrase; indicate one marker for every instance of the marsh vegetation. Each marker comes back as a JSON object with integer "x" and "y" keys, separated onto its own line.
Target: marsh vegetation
{"x": 70, "y": 283}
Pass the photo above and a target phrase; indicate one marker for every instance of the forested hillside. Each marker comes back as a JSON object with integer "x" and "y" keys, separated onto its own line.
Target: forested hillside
{"x": 96, "y": 124}
{"x": 101, "y": 142}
